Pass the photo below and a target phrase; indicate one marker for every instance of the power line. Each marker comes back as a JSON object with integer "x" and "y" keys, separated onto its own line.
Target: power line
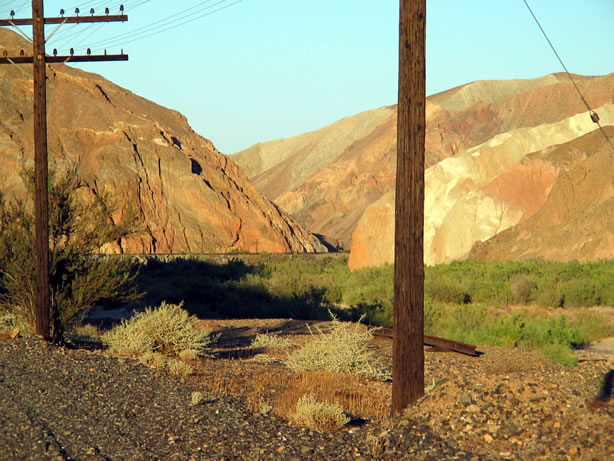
{"x": 593, "y": 114}
{"x": 181, "y": 18}
{"x": 185, "y": 22}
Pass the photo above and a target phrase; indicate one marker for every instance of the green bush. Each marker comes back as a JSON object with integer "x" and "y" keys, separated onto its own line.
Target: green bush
{"x": 167, "y": 329}
{"x": 78, "y": 231}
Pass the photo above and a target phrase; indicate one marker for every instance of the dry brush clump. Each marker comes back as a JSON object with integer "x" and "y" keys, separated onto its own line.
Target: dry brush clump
{"x": 80, "y": 228}
{"x": 157, "y": 335}
{"x": 270, "y": 341}
{"x": 320, "y": 416}
{"x": 344, "y": 350}
{"x": 359, "y": 396}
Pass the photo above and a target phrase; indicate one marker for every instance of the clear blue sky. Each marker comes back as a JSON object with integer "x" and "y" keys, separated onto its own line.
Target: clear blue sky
{"x": 260, "y": 70}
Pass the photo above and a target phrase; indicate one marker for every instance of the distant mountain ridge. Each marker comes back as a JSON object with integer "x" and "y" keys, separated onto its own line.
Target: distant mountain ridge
{"x": 482, "y": 156}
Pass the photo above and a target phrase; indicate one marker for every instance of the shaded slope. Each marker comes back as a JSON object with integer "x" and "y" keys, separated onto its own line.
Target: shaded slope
{"x": 190, "y": 198}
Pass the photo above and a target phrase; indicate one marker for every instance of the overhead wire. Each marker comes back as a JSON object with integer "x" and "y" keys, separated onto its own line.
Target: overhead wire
{"x": 154, "y": 25}
{"x": 72, "y": 32}
{"x": 183, "y": 17}
{"x": 592, "y": 113}
{"x": 186, "y": 22}
{"x": 119, "y": 39}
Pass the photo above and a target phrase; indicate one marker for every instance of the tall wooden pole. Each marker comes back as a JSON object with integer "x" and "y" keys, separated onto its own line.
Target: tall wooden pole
{"x": 408, "y": 349}
{"x": 41, "y": 199}
{"x": 41, "y": 204}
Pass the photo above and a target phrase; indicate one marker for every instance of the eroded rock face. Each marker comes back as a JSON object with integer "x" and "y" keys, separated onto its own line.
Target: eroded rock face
{"x": 373, "y": 240}
{"x": 577, "y": 219}
{"x": 484, "y": 189}
{"x": 474, "y": 134}
{"x": 189, "y": 197}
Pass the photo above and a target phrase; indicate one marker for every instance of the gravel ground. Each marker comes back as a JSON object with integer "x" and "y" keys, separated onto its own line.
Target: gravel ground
{"x": 57, "y": 403}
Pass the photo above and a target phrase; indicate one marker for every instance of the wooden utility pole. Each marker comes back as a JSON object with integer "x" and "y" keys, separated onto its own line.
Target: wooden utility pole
{"x": 408, "y": 349}
{"x": 41, "y": 201}
{"x": 41, "y": 183}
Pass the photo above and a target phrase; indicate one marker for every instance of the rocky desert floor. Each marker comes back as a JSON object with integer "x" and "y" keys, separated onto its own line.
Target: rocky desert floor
{"x": 61, "y": 403}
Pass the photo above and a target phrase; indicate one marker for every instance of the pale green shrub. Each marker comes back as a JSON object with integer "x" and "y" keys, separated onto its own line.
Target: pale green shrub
{"x": 153, "y": 359}
{"x": 189, "y": 354}
{"x": 178, "y": 367}
{"x": 318, "y": 415}
{"x": 343, "y": 350}
{"x": 197, "y": 397}
{"x": 267, "y": 341}
{"x": 167, "y": 329}
{"x": 264, "y": 358}
{"x": 157, "y": 360}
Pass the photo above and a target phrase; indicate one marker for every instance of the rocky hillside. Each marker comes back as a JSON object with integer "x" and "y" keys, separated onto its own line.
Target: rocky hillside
{"x": 483, "y": 190}
{"x": 276, "y": 167}
{"x": 190, "y": 197}
{"x": 577, "y": 219}
{"x": 475, "y": 133}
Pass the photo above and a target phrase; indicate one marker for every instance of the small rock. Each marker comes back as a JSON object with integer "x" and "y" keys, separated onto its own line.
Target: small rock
{"x": 488, "y": 438}
{"x": 473, "y": 408}
{"x": 465, "y": 398}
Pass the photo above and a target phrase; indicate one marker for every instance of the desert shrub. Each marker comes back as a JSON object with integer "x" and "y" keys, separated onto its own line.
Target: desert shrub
{"x": 78, "y": 231}
{"x": 522, "y": 289}
{"x": 433, "y": 314}
{"x": 592, "y": 326}
{"x": 581, "y": 292}
{"x": 318, "y": 415}
{"x": 157, "y": 360}
{"x": 343, "y": 350}
{"x": 167, "y": 329}
{"x": 268, "y": 341}
{"x": 559, "y": 353}
{"x": 197, "y": 397}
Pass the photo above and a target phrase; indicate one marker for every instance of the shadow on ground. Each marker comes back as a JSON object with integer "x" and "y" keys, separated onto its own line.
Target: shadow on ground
{"x": 210, "y": 290}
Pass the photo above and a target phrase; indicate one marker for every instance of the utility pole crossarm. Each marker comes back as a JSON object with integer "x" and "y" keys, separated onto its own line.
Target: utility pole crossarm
{"x": 68, "y": 20}
{"x": 64, "y": 59}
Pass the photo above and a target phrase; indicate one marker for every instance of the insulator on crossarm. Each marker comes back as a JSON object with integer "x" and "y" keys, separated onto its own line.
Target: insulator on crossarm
{"x": 106, "y": 11}
{"x": 594, "y": 117}
{"x": 12, "y": 14}
{"x": 55, "y": 51}
{"x": 5, "y": 53}
{"x": 92, "y": 11}
{"x": 62, "y": 12}
{"x": 105, "y": 52}
{"x": 22, "y": 53}
{"x": 77, "y": 11}
{"x": 72, "y": 51}
{"x": 122, "y": 51}
{"x": 121, "y": 9}
{"x": 89, "y": 51}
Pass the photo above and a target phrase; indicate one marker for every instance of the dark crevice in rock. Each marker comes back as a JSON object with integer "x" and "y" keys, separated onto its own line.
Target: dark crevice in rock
{"x": 176, "y": 142}
{"x": 197, "y": 169}
{"x": 104, "y": 94}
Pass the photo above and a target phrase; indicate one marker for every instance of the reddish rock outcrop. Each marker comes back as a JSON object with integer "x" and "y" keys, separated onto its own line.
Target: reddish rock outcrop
{"x": 373, "y": 239}
{"x": 189, "y": 197}
{"x": 577, "y": 219}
